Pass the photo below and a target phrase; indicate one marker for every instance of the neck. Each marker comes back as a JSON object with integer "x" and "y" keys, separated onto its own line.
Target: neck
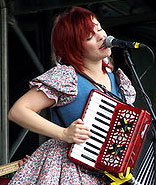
{"x": 93, "y": 68}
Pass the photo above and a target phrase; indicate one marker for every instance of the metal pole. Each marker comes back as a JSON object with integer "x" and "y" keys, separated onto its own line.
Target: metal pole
{"x": 4, "y": 86}
{"x": 26, "y": 45}
{"x": 40, "y": 68}
{"x": 18, "y": 142}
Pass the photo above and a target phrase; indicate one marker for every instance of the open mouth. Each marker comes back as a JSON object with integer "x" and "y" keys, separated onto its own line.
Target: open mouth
{"x": 102, "y": 46}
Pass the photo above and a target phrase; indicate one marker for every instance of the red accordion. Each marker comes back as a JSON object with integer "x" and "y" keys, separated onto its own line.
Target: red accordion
{"x": 118, "y": 131}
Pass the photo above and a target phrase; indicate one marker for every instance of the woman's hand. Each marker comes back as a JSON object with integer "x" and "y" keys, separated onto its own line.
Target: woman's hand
{"x": 24, "y": 160}
{"x": 77, "y": 132}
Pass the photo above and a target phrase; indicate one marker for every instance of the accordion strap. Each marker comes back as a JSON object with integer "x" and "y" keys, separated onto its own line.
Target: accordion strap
{"x": 101, "y": 87}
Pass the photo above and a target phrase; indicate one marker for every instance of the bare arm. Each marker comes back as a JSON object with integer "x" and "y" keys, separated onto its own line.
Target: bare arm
{"x": 24, "y": 113}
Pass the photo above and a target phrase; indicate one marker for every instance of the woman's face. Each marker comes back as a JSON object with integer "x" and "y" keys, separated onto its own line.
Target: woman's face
{"x": 93, "y": 49}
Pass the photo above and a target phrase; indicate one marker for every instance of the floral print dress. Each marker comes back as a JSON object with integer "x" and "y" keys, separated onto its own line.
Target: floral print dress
{"x": 49, "y": 164}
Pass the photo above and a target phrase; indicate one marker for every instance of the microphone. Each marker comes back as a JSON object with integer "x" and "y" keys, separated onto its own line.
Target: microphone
{"x": 110, "y": 42}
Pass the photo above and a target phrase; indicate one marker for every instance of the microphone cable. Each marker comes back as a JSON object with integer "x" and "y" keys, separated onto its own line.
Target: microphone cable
{"x": 150, "y": 66}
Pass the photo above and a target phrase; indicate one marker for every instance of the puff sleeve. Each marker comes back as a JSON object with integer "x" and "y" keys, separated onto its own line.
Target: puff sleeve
{"x": 58, "y": 83}
{"x": 126, "y": 86}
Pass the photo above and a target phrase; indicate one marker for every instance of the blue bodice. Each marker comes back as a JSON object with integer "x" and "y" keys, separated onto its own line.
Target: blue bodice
{"x": 65, "y": 115}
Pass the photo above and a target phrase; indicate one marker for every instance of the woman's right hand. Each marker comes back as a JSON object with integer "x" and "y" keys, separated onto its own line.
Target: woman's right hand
{"x": 77, "y": 132}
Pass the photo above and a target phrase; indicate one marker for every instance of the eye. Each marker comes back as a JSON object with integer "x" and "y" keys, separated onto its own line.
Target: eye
{"x": 99, "y": 28}
{"x": 90, "y": 36}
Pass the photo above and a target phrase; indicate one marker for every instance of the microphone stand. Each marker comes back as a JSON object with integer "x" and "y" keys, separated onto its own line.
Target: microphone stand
{"x": 146, "y": 98}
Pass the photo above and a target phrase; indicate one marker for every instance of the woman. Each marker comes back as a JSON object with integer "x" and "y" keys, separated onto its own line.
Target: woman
{"x": 77, "y": 41}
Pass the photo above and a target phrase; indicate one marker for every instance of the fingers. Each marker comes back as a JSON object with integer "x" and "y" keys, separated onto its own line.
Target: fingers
{"x": 22, "y": 161}
{"x": 80, "y": 125}
{"x": 77, "y": 132}
{"x": 82, "y": 132}
{"x": 81, "y": 137}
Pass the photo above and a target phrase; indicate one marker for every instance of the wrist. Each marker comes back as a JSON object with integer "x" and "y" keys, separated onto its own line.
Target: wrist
{"x": 62, "y": 134}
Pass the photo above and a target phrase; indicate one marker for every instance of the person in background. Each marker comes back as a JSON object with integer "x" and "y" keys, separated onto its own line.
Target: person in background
{"x": 78, "y": 48}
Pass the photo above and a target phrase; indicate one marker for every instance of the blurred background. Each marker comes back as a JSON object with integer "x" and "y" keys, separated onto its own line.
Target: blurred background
{"x": 25, "y": 53}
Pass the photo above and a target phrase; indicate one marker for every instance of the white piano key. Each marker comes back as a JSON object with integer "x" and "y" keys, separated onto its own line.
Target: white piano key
{"x": 90, "y": 113}
{"x": 90, "y": 140}
{"x": 78, "y": 150}
{"x": 106, "y": 113}
{"x": 80, "y": 158}
{"x": 98, "y": 137}
{"x": 99, "y": 131}
{"x": 89, "y": 116}
{"x": 104, "y": 118}
{"x": 98, "y": 109}
{"x": 96, "y": 122}
{"x": 107, "y": 106}
{"x": 99, "y": 100}
{"x": 89, "y": 122}
{"x": 92, "y": 110}
{"x": 100, "y": 97}
{"x": 93, "y": 105}
{"x": 94, "y": 101}
{"x": 88, "y": 150}
{"x": 92, "y": 143}
{"x": 90, "y": 147}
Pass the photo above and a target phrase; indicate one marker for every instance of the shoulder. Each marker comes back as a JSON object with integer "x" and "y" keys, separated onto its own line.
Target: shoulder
{"x": 123, "y": 77}
{"x": 126, "y": 85}
{"x": 60, "y": 77}
{"x": 59, "y": 71}
{"x": 58, "y": 83}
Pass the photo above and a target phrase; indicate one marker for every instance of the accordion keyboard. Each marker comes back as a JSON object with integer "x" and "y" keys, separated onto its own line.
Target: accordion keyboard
{"x": 97, "y": 117}
{"x": 117, "y": 131}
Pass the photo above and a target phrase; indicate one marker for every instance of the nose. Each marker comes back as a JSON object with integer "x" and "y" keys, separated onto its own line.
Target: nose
{"x": 99, "y": 37}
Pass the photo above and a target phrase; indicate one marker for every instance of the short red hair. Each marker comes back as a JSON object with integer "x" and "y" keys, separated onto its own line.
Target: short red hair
{"x": 69, "y": 31}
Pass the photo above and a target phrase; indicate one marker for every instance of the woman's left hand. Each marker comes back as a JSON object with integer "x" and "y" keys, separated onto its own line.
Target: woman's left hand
{"x": 22, "y": 161}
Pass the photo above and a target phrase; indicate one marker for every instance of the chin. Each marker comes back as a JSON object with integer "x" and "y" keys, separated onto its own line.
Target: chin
{"x": 107, "y": 55}
{"x": 109, "y": 52}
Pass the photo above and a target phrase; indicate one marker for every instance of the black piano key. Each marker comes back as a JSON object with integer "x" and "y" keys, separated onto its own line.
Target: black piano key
{"x": 102, "y": 115}
{"x": 93, "y": 146}
{"x": 92, "y": 137}
{"x": 105, "y": 108}
{"x": 98, "y": 134}
{"x": 91, "y": 151}
{"x": 99, "y": 128}
{"x": 88, "y": 158}
{"x": 108, "y": 103}
{"x": 101, "y": 121}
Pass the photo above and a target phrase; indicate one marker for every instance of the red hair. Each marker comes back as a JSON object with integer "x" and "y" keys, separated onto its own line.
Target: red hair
{"x": 69, "y": 31}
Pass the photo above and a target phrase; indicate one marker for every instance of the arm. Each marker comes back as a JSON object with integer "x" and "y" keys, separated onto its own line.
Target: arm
{"x": 24, "y": 113}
